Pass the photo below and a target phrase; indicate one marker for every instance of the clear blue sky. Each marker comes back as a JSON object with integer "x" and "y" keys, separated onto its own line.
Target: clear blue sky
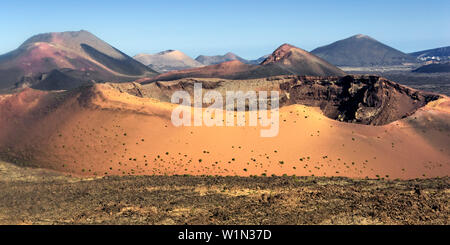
{"x": 249, "y": 28}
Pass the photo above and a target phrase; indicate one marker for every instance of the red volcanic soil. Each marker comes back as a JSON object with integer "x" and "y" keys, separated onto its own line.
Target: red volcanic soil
{"x": 80, "y": 51}
{"x": 43, "y": 57}
{"x": 300, "y": 62}
{"x": 101, "y": 131}
{"x": 278, "y": 54}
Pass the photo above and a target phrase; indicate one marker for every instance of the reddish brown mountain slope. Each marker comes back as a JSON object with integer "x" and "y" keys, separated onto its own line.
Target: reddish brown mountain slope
{"x": 285, "y": 60}
{"x": 79, "y": 51}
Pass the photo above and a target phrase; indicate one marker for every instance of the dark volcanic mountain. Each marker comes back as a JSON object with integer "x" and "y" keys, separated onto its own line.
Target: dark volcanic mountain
{"x": 442, "y": 54}
{"x": 91, "y": 58}
{"x": 286, "y": 60}
{"x": 434, "y": 68}
{"x": 217, "y": 59}
{"x": 361, "y": 51}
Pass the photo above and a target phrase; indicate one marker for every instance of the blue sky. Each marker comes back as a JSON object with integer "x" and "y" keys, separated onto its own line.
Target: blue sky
{"x": 249, "y": 28}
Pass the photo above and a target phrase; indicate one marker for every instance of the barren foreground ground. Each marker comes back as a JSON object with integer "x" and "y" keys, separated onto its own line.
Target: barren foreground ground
{"x": 34, "y": 196}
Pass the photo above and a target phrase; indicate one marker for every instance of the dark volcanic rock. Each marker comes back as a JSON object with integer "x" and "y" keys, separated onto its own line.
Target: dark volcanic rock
{"x": 35, "y": 196}
{"x": 433, "y": 68}
{"x": 360, "y": 99}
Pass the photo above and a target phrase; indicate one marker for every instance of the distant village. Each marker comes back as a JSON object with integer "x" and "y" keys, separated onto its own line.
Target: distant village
{"x": 433, "y": 59}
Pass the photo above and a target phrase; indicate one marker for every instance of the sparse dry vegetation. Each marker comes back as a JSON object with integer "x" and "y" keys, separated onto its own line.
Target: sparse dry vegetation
{"x": 33, "y": 196}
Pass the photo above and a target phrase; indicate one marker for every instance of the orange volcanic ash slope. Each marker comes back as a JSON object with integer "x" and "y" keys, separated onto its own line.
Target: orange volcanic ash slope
{"x": 98, "y": 130}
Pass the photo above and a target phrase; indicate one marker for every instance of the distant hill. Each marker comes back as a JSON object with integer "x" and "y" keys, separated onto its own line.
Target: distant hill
{"x": 361, "y": 51}
{"x": 217, "y": 59}
{"x": 259, "y": 60}
{"x": 168, "y": 60}
{"x": 441, "y": 54}
{"x": 230, "y": 69}
{"x": 434, "y": 68}
{"x": 285, "y": 60}
{"x": 68, "y": 51}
